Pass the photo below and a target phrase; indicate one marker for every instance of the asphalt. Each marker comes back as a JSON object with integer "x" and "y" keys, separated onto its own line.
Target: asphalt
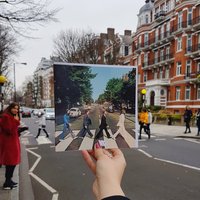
{"x": 25, "y": 185}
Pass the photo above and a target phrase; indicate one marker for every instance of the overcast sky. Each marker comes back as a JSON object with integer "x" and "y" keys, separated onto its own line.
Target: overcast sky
{"x": 95, "y": 15}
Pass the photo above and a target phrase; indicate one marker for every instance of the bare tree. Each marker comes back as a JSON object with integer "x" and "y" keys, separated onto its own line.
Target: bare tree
{"x": 20, "y": 15}
{"x": 76, "y": 46}
{"x": 8, "y": 47}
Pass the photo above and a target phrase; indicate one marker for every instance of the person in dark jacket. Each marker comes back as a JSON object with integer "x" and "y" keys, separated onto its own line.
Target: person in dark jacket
{"x": 187, "y": 118}
{"x": 103, "y": 126}
{"x": 86, "y": 125}
{"x": 108, "y": 167}
{"x": 198, "y": 122}
{"x": 9, "y": 143}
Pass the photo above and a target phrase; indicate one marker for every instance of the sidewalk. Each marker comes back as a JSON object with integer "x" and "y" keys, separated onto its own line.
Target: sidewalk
{"x": 9, "y": 194}
{"x": 174, "y": 131}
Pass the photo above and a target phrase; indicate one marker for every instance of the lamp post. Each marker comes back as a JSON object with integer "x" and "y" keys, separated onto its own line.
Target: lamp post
{"x": 143, "y": 92}
{"x": 15, "y": 92}
{"x": 2, "y": 81}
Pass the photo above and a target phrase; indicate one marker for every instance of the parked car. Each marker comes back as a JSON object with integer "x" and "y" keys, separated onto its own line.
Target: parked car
{"x": 50, "y": 113}
{"x": 74, "y": 112}
{"x": 26, "y": 112}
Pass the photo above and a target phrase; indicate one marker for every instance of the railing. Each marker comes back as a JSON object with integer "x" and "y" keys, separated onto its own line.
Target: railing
{"x": 159, "y": 59}
{"x": 192, "y": 48}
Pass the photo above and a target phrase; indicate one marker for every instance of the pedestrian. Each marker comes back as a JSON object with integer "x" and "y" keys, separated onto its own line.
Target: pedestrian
{"x": 120, "y": 124}
{"x": 108, "y": 167}
{"x": 9, "y": 143}
{"x": 86, "y": 125}
{"x": 150, "y": 120}
{"x": 42, "y": 124}
{"x": 198, "y": 121}
{"x": 66, "y": 126}
{"x": 103, "y": 126}
{"x": 143, "y": 121}
{"x": 187, "y": 118}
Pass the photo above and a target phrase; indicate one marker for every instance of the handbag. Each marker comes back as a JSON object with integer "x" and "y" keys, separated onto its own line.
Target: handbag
{"x": 21, "y": 129}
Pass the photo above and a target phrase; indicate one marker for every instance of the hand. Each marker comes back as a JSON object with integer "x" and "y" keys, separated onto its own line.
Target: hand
{"x": 108, "y": 167}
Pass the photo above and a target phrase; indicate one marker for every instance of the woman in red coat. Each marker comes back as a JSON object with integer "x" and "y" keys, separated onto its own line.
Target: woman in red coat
{"x": 9, "y": 143}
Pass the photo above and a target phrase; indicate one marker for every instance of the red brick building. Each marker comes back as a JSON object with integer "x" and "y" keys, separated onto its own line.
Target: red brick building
{"x": 166, "y": 49}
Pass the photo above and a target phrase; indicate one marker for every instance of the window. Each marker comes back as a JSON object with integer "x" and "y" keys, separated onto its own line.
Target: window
{"x": 126, "y": 48}
{"x": 178, "y": 93}
{"x": 146, "y": 59}
{"x": 188, "y": 68}
{"x": 156, "y": 57}
{"x": 161, "y": 73}
{"x": 198, "y": 67}
{"x": 187, "y": 93}
{"x": 179, "y": 20}
{"x": 198, "y": 92}
{"x": 167, "y": 73}
{"x": 178, "y": 68}
{"x": 146, "y": 39}
{"x": 162, "y": 31}
{"x": 146, "y": 19}
{"x": 189, "y": 43}
{"x": 168, "y": 28}
{"x": 145, "y": 76}
{"x": 155, "y": 75}
{"x": 162, "y": 55}
{"x": 167, "y": 53}
{"x": 179, "y": 43}
{"x": 157, "y": 31}
{"x": 189, "y": 17}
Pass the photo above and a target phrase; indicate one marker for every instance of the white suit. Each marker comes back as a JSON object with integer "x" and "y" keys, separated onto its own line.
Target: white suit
{"x": 120, "y": 123}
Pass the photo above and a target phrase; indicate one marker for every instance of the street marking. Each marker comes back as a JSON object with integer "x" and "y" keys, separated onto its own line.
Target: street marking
{"x": 145, "y": 153}
{"x": 36, "y": 162}
{"x": 48, "y": 187}
{"x": 87, "y": 142}
{"x": 192, "y": 140}
{"x": 175, "y": 163}
{"x": 109, "y": 142}
{"x": 160, "y": 139}
{"x": 62, "y": 146}
{"x": 33, "y": 148}
{"x": 178, "y": 138}
{"x": 43, "y": 183}
{"x": 26, "y": 133}
{"x": 43, "y": 140}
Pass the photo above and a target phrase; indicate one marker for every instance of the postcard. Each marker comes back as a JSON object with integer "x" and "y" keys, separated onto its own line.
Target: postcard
{"x": 95, "y": 103}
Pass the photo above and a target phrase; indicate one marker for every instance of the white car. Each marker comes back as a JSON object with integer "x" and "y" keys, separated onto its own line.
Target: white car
{"x": 50, "y": 113}
{"x": 74, "y": 112}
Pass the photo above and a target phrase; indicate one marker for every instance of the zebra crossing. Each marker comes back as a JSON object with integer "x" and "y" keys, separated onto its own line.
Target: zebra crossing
{"x": 87, "y": 142}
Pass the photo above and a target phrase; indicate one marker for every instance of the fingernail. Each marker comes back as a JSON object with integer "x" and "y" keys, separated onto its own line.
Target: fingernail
{"x": 97, "y": 145}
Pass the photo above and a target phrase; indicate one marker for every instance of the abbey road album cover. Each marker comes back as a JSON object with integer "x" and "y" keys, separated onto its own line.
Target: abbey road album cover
{"x": 95, "y": 103}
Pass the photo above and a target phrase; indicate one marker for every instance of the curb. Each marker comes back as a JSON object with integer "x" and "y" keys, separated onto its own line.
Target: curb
{"x": 184, "y": 136}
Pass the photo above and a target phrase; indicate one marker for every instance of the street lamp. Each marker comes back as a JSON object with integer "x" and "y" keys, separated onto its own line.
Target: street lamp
{"x": 15, "y": 92}
{"x": 143, "y": 92}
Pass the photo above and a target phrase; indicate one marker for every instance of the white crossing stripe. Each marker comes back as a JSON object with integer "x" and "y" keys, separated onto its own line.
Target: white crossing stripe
{"x": 26, "y": 133}
{"x": 43, "y": 140}
{"x": 61, "y": 146}
{"x": 130, "y": 140}
{"x": 87, "y": 142}
{"x": 109, "y": 142}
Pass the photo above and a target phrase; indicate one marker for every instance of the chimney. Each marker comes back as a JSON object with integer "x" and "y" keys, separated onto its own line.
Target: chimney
{"x": 111, "y": 33}
{"x": 127, "y": 32}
